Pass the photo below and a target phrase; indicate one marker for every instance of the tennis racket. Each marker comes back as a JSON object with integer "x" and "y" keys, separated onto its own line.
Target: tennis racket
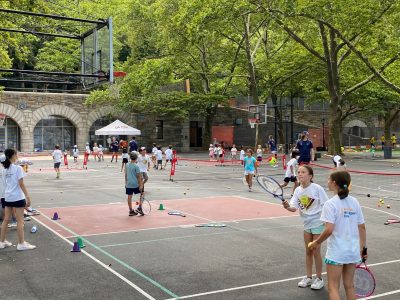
{"x": 176, "y": 213}
{"x": 364, "y": 280}
{"x": 271, "y": 186}
{"x": 146, "y": 206}
{"x": 392, "y": 221}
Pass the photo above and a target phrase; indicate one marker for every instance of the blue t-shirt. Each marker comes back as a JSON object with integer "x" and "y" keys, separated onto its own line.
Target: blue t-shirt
{"x": 249, "y": 163}
{"x": 132, "y": 170}
{"x": 133, "y": 146}
{"x": 115, "y": 146}
{"x": 272, "y": 145}
{"x": 304, "y": 149}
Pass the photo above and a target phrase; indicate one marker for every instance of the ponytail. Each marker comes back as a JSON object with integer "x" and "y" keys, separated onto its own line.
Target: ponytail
{"x": 5, "y": 159}
{"x": 342, "y": 180}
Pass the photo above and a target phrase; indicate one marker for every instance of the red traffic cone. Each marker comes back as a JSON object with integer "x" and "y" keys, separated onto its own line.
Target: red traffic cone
{"x": 76, "y": 247}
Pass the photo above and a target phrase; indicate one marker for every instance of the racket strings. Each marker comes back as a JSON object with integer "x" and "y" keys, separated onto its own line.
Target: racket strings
{"x": 364, "y": 282}
{"x": 271, "y": 186}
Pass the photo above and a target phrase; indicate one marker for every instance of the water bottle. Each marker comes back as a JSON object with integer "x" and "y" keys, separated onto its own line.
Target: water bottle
{"x": 33, "y": 229}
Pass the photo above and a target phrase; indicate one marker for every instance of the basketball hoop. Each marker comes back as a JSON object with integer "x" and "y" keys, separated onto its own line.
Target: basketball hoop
{"x": 2, "y": 119}
{"x": 252, "y": 122}
{"x": 115, "y": 87}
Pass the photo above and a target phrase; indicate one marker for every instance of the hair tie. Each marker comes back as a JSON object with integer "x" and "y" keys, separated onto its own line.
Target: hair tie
{"x": 345, "y": 186}
{"x": 3, "y": 158}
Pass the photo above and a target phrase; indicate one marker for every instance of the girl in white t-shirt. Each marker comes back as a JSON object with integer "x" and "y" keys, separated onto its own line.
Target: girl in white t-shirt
{"x": 290, "y": 175}
{"x": 233, "y": 152}
{"x": 242, "y": 155}
{"x": 211, "y": 152}
{"x": 101, "y": 153}
{"x": 346, "y": 234}
{"x": 259, "y": 155}
{"x": 15, "y": 196}
{"x": 125, "y": 158}
{"x": 309, "y": 199}
{"x": 95, "y": 152}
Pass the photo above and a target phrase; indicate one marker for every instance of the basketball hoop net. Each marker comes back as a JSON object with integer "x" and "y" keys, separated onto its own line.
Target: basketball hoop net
{"x": 2, "y": 119}
{"x": 252, "y": 122}
{"x": 115, "y": 87}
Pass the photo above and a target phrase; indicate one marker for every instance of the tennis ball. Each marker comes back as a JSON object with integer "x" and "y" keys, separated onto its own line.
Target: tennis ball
{"x": 184, "y": 193}
{"x": 388, "y": 206}
{"x": 382, "y": 201}
{"x": 368, "y": 195}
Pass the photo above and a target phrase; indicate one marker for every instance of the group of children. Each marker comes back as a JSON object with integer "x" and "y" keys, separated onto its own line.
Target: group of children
{"x": 14, "y": 199}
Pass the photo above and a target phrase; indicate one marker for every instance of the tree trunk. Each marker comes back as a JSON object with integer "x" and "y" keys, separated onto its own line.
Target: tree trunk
{"x": 335, "y": 127}
{"x": 208, "y": 121}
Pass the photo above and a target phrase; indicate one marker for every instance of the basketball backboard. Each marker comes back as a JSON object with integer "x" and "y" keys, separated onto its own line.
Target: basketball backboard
{"x": 258, "y": 112}
{"x": 97, "y": 53}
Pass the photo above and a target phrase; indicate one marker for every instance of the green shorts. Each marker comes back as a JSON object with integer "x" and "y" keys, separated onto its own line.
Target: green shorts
{"x": 316, "y": 230}
{"x": 331, "y": 262}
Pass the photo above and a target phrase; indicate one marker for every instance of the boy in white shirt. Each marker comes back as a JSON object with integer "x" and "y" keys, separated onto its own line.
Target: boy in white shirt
{"x": 143, "y": 163}
{"x": 154, "y": 156}
{"x": 290, "y": 175}
{"x": 75, "y": 153}
{"x": 57, "y": 155}
{"x": 168, "y": 156}
{"x": 338, "y": 162}
{"x": 159, "y": 158}
{"x": 233, "y": 152}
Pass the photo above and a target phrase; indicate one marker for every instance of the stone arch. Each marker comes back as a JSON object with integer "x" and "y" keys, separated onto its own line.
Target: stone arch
{"x": 104, "y": 111}
{"x": 14, "y": 114}
{"x": 57, "y": 110}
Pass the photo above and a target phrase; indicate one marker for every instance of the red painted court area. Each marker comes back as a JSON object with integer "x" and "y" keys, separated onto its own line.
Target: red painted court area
{"x": 113, "y": 218}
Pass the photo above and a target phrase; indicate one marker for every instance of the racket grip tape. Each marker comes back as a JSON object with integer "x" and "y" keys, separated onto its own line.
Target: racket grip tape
{"x": 364, "y": 253}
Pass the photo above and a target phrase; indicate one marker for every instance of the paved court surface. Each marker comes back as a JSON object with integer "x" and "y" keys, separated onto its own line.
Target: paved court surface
{"x": 258, "y": 255}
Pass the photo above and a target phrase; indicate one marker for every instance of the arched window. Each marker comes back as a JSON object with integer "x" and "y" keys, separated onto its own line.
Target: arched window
{"x": 52, "y": 131}
{"x": 10, "y": 136}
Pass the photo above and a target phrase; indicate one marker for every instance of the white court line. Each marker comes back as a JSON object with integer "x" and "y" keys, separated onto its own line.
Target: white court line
{"x": 381, "y": 211}
{"x": 130, "y": 283}
{"x": 381, "y": 295}
{"x": 265, "y": 283}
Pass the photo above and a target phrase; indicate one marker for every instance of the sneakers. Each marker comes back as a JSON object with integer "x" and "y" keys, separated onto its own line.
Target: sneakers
{"x": 25, "y": 246}
{"x": 305, "y": 282}
{"x": 317, "y": 284}
{"x": 27, "y": 218}
{"x": 5, "y": 244}
{"x": 250, "y": 190}
{"x": 12, "y": 225}
{"x": 132, "y": 213}
{"x": 140, "y": 211}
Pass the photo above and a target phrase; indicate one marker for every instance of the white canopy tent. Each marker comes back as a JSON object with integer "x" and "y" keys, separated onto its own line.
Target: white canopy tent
{"x": 118, "y": 128}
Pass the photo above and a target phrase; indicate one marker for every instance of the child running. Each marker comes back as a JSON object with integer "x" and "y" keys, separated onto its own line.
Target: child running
{"x": 168, "y": 156}
{"x": 133, "y": 183}
{"x": 15, "y": 196}
{"x": 101, "y": 153}
{"x": 125, "y": 158}
{"x": 154, "y": 156}
{"x": 242, "y": 155}
{"x": 346, "y": 234}
{"x": 250, "y": 168}
{"x": 290, "y": 175}
{"x": 75, "y": 153}
{"x": 259, "y": 155}
{"x": 57, "y": 155}
{"x": 309, "y": 199}
{"x": 159, "y": 158}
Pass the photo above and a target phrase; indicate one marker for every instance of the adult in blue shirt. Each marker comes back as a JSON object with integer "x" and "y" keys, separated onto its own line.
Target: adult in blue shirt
{"x": 133, "y": 146}
{"x": 306, "y": 150}
{"x": 114, "y": 149}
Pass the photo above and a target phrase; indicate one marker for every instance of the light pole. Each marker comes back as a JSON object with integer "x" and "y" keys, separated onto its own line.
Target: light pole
{"x": 323, "y": 133}
{"x": 286, "y": 137}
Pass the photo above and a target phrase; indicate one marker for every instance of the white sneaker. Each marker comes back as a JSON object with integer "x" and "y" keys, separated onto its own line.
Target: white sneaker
{"x": 305, "y": 282}
{"x": 318, "y": 284}
{"x": 25, "y": 246}
{"x": 5, "y": 244}
{"x": 12, "y": 225}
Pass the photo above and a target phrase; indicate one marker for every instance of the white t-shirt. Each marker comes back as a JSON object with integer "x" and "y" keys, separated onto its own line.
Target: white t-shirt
{"x": 75, "y": 152}
{"x": 13, "y": 192}
{"x": 143, "y": 163}
{"x": 259, "y": 152}
{"x": 159, "y": 154}
{"x": 2, "y": 182}
{"x": 125, "y": 155}
{"x": 101, "y": 149}
{"x": 291, "y": 163}
{"x": 309, "y": 201}
{"x": 87, "y": 149}
{"x": 343, "y": 245}
{"x": 242, "y": 154}
{"x": 57, "y": 155}
{"x": 336, "y": 159}
{"x": 233, "y": 151}
{"x": 154, "y": 151}
{"x": 168, "y": 154}
{"x": 95, "y": 149}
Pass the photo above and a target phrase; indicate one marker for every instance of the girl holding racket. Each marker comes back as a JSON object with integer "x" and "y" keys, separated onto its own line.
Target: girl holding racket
{"x": 250, "y": 168}
{"x": 309, "y": 199}
{"x": 346, "y": 234}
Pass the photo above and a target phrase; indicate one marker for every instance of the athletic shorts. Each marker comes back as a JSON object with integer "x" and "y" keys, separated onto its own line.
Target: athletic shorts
{"x": 159, "y": 162}
{"x": 220, "y": 155}
{"x": 248, "y": 172}
{"x": 290, "y": 179}
{"x": 274, "y": 152}
{"x": 316, "y": 230}
{"x": 331, "y": 262}
{"x": 131, "y": 191}
{"x": 124, "y": 160}
{"x": 259, "y": 158}
{"x": 2, "y": 202}
{"x": 145, "y": 176}
{"x": 19, "y": 203}
{"x": 57, "y": 165}
{"x": 167, "y": 160}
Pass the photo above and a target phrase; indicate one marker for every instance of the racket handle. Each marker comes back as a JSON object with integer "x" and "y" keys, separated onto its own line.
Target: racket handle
{"x": 364, "y": 253}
